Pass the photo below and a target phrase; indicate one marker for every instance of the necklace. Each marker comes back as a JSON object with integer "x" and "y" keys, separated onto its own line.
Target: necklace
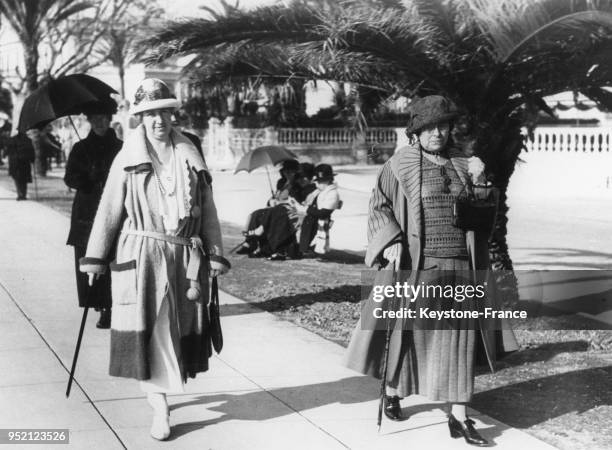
{"x": 438, "y": 158}
{"x": 169, "y": 176}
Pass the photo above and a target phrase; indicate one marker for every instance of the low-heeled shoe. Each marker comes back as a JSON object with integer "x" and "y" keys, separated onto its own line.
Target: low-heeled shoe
{"x": 467, "y": 430}
{"x": 105, "y": 319}
{"x": 392, "y": 409}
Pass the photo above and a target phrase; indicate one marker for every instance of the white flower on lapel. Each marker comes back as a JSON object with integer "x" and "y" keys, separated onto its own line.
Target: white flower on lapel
{"x": 476, "y": 170}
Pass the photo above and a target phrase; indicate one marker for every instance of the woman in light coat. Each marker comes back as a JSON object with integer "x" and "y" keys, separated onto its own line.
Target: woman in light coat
{"x": 411, "y": 233}
{"x": 158, "y": 208}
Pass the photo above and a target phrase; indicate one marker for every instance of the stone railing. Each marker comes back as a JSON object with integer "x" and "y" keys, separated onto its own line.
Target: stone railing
{"x": 225, "y": 145}
{"x": 571, "y": 139}
{"x": 297, "y": 136}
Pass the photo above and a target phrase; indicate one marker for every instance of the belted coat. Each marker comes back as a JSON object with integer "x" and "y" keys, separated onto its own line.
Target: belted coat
{"x": 145, "y": 268}
{"x": 395, "y": 215}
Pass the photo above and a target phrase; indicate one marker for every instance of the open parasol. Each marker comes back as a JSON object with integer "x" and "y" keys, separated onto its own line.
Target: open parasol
{"x": 264, "y": 156}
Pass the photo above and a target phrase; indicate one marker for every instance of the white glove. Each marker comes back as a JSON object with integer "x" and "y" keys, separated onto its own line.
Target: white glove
{"x": 91, "y": 277}
{"x": 393, "y": 254}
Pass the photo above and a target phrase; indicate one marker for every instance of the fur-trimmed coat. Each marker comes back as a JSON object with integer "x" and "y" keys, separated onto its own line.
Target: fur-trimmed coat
{"x": 141, "y": 274}
{"x": 395, "y": 215}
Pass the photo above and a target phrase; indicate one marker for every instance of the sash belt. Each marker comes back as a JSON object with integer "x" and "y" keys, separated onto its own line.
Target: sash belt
{"x": 195, "y": 244}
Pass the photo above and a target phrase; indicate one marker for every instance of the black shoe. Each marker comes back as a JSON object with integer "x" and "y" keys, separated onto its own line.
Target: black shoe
{"x": 467, "y": 430}
{"x": 257, "y": 253}
{"x": 105, "y": 319}
{"x": 392, "y": 408}
{"x": 277, "y": 257}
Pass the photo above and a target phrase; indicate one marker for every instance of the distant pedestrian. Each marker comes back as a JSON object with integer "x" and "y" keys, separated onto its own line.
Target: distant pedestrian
{"x": 50, "y": 147}
{"x": 20, "y": 153}
{"x": 86, "y": 171}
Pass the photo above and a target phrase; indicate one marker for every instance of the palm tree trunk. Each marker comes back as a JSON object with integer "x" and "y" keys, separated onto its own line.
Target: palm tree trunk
{"x": 508, "y": 150}
{"x": 122, "y": 80}
{"x": 31, "y": 83}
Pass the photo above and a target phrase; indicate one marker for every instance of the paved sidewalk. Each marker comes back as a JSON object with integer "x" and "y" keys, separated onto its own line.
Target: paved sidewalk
{"x": 274, "y": 386}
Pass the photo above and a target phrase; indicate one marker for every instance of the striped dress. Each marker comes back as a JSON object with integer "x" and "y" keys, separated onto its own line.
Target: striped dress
{"x": 437, "y": 358}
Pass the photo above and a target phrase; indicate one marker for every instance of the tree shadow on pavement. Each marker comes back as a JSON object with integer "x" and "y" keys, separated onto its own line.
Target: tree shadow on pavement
{"x": 345, "y": 293}
{"x": 342, "y": 257}
{"x": 535, "y": 354}
{"x": 532, "y": 402}
{"x": 275, "y": 403}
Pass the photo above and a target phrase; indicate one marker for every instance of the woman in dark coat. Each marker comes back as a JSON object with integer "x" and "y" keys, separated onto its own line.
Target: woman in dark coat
{"x": 411, "y": 233}
{"x": 86, "y": 171}
{"x": 20, "y": 153}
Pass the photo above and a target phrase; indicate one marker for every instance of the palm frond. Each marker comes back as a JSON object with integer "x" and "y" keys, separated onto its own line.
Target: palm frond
{"x": 272, "y": 23}
{"x": 516, "y": 27}
{"x": 600, "y": 96}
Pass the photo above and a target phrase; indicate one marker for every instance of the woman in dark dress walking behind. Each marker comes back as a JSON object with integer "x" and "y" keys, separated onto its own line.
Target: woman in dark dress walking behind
{"x": 86, "y": 171}
{"x": 20, "y": 153}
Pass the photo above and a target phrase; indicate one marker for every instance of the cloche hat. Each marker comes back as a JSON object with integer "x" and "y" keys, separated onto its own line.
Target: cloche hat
{"x": 153, "y": 94}
{"x": 428, "y": 111}
{"x": 324, "y": 172}
{"x": 290, "y": 164}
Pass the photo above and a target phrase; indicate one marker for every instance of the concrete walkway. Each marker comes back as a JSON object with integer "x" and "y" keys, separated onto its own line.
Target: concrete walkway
{"x": 274, "y": 386}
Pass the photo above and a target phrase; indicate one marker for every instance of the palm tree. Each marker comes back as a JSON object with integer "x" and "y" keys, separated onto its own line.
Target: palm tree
{"x": 496, "y": 59}
{"x": 55, "y": 23}
{"x": 118, "y": 44}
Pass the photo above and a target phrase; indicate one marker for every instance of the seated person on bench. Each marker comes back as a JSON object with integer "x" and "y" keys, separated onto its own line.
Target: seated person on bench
{"x": 318, "y": 212}
{"x": 271, "y": 231}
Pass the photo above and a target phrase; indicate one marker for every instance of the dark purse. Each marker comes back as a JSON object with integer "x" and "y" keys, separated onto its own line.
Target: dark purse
{"x": 216, "y": 334}
{"x": 472, "y": 213}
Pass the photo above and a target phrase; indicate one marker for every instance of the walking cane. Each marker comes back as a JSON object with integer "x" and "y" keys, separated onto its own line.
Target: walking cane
{"x": 383, "y": 383}
{"x": 78, "y": 343}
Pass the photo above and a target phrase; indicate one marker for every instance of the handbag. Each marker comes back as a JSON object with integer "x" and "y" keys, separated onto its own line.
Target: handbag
{"x": 216, "y": 334}
{"x": 472, "y": 213}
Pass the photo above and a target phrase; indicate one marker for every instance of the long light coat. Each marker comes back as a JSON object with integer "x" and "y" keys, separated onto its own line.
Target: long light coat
{"x": 142, "y": 273}
{"x": 395, "y": 214}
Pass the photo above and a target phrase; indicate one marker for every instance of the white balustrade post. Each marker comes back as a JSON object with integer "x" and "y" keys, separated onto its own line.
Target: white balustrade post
{"x": 227, "y": 155}
{"x": 213, "y": 130}
{"x": 271, "y": 136}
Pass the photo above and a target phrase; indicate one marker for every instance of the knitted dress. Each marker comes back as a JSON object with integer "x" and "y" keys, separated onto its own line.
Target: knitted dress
{"x": 437, "y": 357}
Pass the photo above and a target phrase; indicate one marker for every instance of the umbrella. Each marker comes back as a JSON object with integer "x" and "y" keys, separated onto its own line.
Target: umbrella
{"x": 61, "y": 97}
{"x": 264, "y": 156}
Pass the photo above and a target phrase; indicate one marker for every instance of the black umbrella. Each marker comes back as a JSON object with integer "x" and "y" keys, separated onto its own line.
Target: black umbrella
{"x": 61, "y": 97}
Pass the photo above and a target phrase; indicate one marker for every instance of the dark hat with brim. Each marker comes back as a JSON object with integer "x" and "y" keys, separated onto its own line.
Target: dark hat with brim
{"x": 307, "y": 170}
{"x": 290, "y": 164}
{"x": 428, "y": 111}
{"x": 324, "y": 172}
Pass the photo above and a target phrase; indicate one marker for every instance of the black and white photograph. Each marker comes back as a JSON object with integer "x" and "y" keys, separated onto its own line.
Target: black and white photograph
{"x": 306, "y": 224}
